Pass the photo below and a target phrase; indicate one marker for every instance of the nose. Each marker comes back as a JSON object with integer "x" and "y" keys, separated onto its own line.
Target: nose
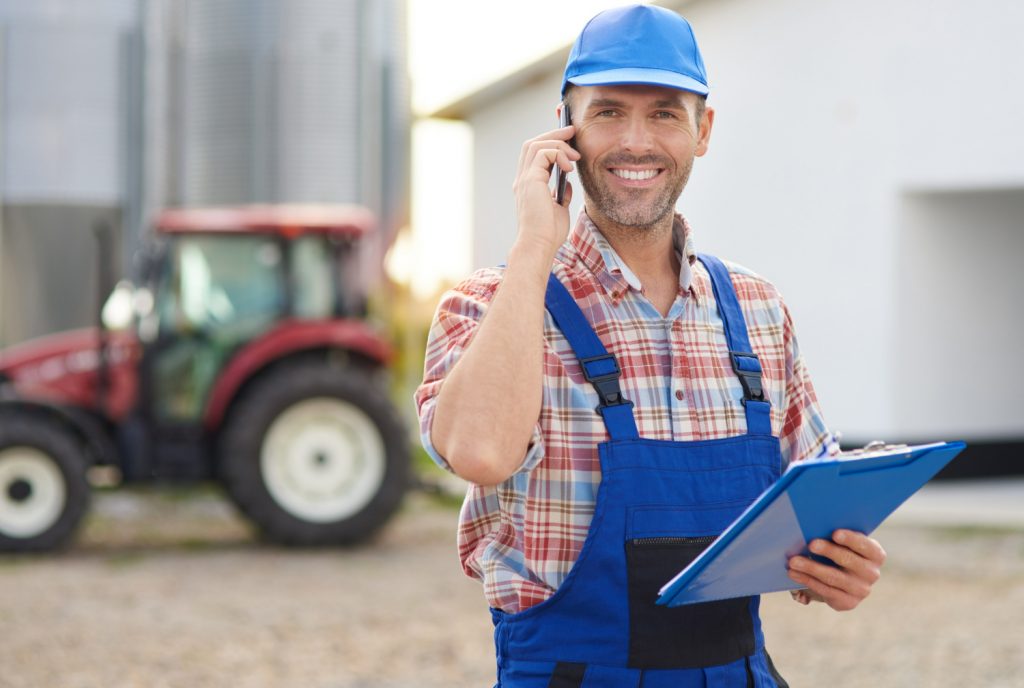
{"x": 636, "y": 135}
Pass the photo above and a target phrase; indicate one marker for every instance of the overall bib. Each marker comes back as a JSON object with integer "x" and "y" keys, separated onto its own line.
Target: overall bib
{"x": 660, "y": 503}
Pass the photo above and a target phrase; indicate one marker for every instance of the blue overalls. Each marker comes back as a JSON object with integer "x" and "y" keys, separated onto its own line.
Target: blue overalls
{"x": 659, "y": 504}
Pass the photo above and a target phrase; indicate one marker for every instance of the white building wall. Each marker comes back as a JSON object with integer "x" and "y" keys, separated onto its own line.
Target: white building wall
{"x": 853, "y": 147}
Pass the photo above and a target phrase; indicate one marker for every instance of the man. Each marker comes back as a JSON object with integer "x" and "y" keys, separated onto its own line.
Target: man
{"x": 596, "y": 477}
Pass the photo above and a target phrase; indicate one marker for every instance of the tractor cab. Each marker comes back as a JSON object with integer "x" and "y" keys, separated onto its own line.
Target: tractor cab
{"x": 217, "y": 280}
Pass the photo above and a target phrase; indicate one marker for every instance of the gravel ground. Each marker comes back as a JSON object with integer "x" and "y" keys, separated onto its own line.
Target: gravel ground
{"x": 171, "y": 589}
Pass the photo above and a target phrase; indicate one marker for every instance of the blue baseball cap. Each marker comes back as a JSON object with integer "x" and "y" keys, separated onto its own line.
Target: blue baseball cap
{"x": 639, "y": 44}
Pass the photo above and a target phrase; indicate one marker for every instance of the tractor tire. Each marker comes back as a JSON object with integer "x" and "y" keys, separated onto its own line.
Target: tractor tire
{"x": 315, "y": 455}
{"x": 43, "y": 487}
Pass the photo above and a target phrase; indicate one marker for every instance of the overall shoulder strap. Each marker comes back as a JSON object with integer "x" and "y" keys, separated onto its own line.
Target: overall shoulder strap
{"x": 599, "y": 367}
{"x": 744, "y": 362}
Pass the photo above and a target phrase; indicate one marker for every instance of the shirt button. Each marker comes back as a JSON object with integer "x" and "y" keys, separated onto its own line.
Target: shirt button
{"x": 679, "y": 394}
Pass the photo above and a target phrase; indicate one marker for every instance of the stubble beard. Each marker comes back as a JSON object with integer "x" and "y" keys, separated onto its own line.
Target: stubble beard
{"x": 633, "y": 208}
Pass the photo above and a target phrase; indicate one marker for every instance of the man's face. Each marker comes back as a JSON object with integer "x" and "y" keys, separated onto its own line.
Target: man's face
{"x": 637, "y": 145}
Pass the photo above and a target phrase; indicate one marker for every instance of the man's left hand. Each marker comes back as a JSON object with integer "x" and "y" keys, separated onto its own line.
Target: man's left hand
{"x": 858, "y": 560}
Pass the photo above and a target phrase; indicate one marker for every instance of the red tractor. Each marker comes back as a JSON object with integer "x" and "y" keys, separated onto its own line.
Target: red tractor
{"x": 242, "y": 355}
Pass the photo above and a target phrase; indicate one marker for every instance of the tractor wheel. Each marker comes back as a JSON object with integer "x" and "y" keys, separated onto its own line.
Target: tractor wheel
{"x": 315, "y": 455}
{"x": 43, "y": 489}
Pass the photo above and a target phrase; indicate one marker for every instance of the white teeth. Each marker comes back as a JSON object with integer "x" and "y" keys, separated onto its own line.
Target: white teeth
{"x": 635, "y": 174}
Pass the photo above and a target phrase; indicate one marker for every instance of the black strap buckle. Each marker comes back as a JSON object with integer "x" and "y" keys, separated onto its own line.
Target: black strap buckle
{"x": 750, "y": 377}
{"x": 607, "y": 385}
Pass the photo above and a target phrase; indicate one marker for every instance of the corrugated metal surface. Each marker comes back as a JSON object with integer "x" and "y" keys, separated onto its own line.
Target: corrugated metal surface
{"x": 318, "y": 60}
{"x": 270, "y": 97}
{"x": 216, "y": 102}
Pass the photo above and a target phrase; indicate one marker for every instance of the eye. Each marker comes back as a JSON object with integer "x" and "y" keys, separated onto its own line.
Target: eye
{"x": 665, "y": 114}
{"x": 606, "y": 113}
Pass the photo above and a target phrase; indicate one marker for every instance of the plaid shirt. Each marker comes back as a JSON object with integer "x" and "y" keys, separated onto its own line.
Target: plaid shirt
{"x": 522, "y": 537}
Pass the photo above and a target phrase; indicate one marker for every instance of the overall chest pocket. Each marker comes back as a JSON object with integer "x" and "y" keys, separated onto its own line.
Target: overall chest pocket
{"x": 660, "y": 542}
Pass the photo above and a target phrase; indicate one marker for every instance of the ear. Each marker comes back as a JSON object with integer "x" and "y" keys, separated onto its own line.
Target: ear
{"x": 704, "y": 131}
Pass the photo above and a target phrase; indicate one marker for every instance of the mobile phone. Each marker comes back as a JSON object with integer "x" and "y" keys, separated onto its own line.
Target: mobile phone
{"x": 564, "y": 120}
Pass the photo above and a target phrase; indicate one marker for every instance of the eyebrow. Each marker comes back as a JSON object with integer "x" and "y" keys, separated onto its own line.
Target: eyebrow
{"x": 669, "y": 103}
{"x": 612, "y": 102}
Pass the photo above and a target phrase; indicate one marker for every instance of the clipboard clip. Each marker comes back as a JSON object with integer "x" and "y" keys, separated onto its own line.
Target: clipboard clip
{"x": 875, "y": 446}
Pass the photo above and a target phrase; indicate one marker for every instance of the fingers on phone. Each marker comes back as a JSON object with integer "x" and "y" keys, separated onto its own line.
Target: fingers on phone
{"x": 566, "y": 197}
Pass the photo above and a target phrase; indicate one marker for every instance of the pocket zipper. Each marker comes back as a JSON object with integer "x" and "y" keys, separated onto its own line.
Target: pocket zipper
{"x": 667, "y": 540}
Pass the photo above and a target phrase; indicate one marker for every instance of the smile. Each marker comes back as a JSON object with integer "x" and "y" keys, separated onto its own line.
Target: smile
{"x": 635, "y": 175}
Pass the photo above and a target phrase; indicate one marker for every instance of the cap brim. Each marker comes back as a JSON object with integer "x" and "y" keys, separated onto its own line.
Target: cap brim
{"x": 654, "y": 77}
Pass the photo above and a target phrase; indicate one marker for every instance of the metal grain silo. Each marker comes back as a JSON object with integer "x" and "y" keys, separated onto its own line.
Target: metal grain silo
{"x": 67, "y": 88}
{"x": 279, "y": 101}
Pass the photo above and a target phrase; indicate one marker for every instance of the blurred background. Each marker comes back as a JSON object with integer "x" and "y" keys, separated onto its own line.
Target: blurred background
{"x": 866, "y": 158}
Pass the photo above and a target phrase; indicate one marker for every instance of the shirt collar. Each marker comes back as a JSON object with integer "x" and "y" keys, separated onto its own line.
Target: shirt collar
{"x": 593, "y": 249}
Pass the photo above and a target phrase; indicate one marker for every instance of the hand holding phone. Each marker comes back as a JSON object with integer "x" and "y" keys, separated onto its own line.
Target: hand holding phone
{"x": 561, "y": 176}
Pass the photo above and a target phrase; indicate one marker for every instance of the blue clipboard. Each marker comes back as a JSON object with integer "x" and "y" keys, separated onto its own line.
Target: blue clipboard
{"x": 811, "y": 500}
